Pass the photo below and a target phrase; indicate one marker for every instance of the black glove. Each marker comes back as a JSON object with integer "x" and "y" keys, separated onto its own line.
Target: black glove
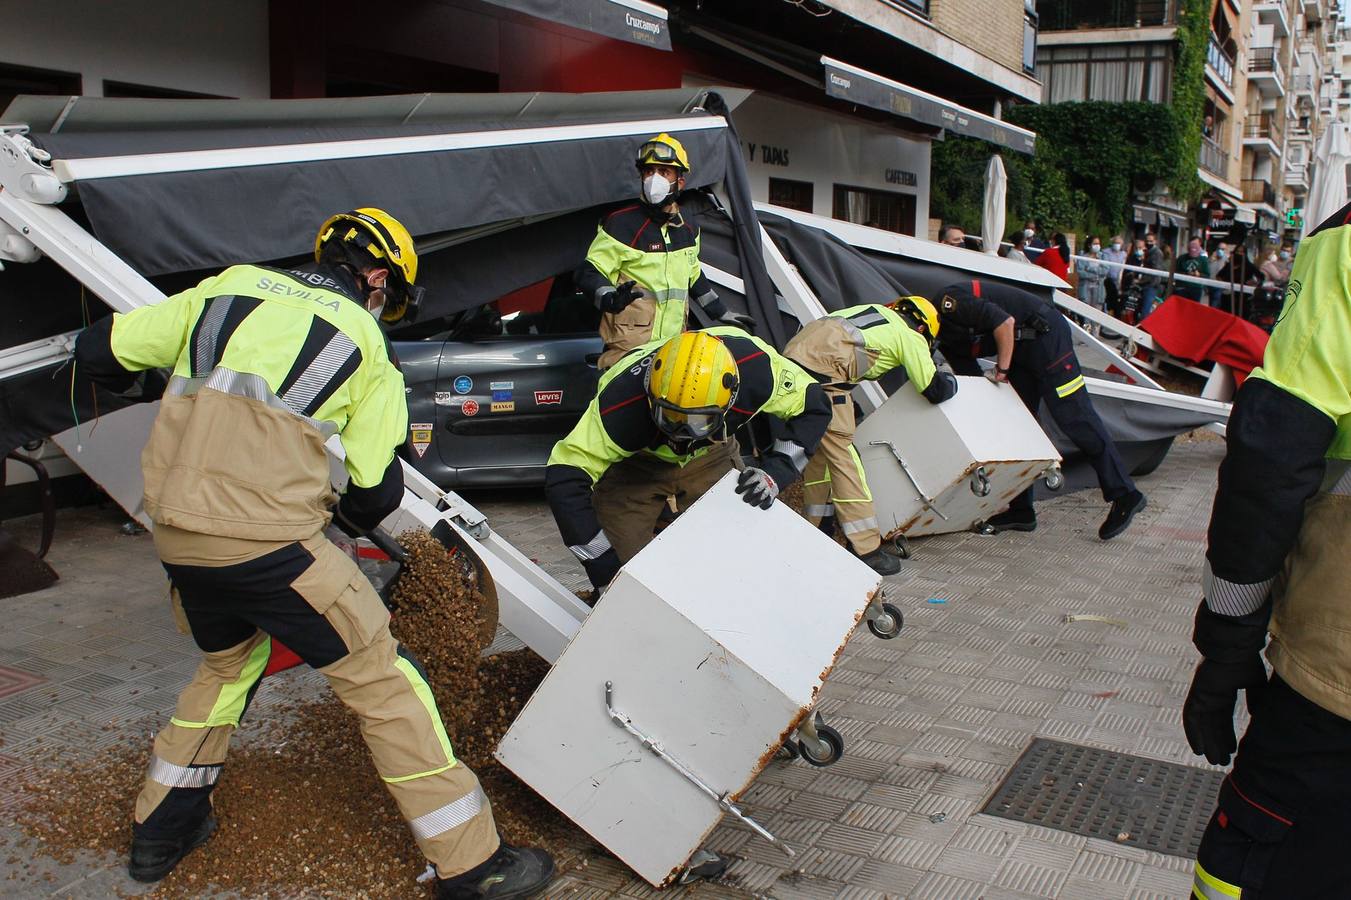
{"x": 614, "y": 301}
{"x": 602, "y": 569}
{"x": 1232, "y": 646}
{"x": 740, "y": 321}
{"x": 757, "y": 487}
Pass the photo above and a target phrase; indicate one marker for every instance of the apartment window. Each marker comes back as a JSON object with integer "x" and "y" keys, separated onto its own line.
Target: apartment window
{"x": 1029, "y": 35}
{"x": 1111, "y": 72}
{"x": 791, "y": 194}
{"x": 879, "y": 209}
{"x": 16, "y": 80}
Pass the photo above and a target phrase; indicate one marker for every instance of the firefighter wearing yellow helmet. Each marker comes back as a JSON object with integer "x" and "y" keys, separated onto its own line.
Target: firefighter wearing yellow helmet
{"x": 662, "y": 424}
{"x": 839, "y": 350}
{"x": 267, "y": 365}
{"x": 642, "y": 268}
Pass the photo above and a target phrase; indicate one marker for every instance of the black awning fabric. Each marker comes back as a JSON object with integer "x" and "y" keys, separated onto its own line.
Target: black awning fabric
{"x": 610, "y": 18}
{"x": 190, "y": 220}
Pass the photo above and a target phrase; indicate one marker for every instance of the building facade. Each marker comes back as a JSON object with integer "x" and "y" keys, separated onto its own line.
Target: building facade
{"x": 917, "y": 68}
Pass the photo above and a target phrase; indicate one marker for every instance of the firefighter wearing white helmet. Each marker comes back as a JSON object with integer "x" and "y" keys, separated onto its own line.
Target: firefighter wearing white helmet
{"x": 839, "y": 350}
{"x": 268, "y": 363}
{"x": 642, "y": 268}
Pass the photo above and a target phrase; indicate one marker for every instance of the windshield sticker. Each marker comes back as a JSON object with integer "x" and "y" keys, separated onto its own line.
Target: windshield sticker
{"x": 470, "y": 408}
{"x": 544, "y": 398}
{"x": 444, "y": 398}
{"x": 464, "y": 384}
{"x": 420, "y": 435}
{"x": 503, "y": 407}
{"x": 501, "y": 395}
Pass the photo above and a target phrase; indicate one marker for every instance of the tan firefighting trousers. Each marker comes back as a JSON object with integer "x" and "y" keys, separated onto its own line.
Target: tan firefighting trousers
{"x": 328, "y": 611}
{"x": 834, "y": 483}
{"x": 1311, "y": 623}
{"x": 629, "y": 497}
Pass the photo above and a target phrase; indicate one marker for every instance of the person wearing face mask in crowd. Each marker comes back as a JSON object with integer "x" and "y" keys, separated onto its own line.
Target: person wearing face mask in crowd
{"x": 1151, "y": 285}
{"x": 267, "y": 364}
{"x": 1196, "y": 264}
{"x": 1219, "y": 270}
{"x": 1017, "y": 248}
{"x": 1276, "y": 269}
{"x": 642, "y": 268}
{"x": 1093, "y": 271}
{"x": 1056, "y": 258}
{"x": 1032, "y": 236}
{"x": 1114, "y": 254}
{"x": 1132, "y": 284}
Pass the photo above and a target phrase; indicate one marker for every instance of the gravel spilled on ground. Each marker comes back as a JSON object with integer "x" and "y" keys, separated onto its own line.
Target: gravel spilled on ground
{"x": 302, "y": 811}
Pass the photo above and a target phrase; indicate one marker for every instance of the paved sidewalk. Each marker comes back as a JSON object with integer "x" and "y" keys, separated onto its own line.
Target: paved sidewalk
{"x": 933, "y": 719}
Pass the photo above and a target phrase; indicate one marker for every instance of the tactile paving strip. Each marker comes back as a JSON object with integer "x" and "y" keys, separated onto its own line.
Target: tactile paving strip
{"x": 1117, "y": 797}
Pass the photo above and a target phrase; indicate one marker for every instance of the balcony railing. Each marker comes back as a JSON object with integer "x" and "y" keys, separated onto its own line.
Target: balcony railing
{"x": 1070, "y": 15}
{"x": 1265, "y": 59}
{"x": 1264, "y": 125}
{"x": 1256, "y": 190}
{"x": 1213, "y": 158}
{"x": 1219, "y": 60}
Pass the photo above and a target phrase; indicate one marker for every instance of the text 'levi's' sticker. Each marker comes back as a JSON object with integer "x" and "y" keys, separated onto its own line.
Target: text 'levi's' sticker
{"x": 543, "y": 398}
{"x": 420, "y": 436}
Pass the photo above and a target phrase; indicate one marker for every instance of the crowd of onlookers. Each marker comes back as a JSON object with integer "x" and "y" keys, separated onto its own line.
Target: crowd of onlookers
{"x": 1107, "y": 274}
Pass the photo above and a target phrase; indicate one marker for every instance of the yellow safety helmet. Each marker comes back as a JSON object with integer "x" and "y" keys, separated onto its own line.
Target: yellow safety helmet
{"x": 691, "y": 383}
{"x": 384, "y": 239}
{"x": 663, "y": 150}
{"x": 921, "y": 313}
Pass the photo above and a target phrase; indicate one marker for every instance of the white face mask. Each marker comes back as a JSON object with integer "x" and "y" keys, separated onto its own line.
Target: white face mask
{"x": 1095, "y": 247}
{"x": 1116, "y": 245}
{"x": 1028, "y": 232}
{"x": 656, "y": 189}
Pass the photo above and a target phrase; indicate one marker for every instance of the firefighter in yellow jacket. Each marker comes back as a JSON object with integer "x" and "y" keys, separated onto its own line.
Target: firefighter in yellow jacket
{"x": 662, "y": 425}
{"x": 1276, "y": 562}
{"x": 267, "y": 365}
{"x": 840, "y": 350}
{"x": 642, "y": 268}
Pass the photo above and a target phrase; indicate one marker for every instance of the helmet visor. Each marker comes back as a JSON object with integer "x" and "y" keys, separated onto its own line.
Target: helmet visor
{"x": 659, "y": 153}
{"x": 687, "y": 424}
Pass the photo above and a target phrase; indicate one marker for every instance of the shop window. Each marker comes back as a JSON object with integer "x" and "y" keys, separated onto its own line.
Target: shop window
{"x": 16, "y": 80}
{"x": 878, "y": 209}
{"x": 791, "y": 194}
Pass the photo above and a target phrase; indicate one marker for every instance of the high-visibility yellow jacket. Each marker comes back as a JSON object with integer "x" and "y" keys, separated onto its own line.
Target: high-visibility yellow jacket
{"x": 267, "y": 365}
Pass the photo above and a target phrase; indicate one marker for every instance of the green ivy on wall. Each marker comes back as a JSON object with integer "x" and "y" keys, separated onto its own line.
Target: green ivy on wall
{"x": 1091, "y": 157}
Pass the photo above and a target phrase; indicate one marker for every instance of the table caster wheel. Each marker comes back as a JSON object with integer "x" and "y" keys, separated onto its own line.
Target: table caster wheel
{"x": 826, "y": 750}
{"x": 900, "y": 546}
{"x": 787, "y": 752}
{"x": 983, "y": 527}
{"x": 887, "y": 625}
{"x": 1054, "y": 481}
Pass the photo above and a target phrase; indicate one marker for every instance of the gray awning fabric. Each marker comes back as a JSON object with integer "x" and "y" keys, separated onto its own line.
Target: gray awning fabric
{"x": 846, "y": 82}
{"x": 199, "y": 198}
{"x": 625, "y": 20}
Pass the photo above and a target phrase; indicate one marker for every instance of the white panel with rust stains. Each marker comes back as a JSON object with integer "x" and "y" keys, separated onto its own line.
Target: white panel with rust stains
{"x": 717, "y": 638}
{"x": 985, "y": 425}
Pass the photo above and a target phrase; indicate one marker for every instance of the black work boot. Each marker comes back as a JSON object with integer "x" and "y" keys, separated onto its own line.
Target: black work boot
{"x": 510, "y": 872}
{"x": 881, "y": 562}
{"x": 1120, "y": 515}
{"x": 152, "y": 859}
{"x": 1014, "y": 520}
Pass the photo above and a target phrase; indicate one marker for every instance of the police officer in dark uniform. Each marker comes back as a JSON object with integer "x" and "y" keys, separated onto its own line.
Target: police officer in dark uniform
{"x": 1034, "y": 352}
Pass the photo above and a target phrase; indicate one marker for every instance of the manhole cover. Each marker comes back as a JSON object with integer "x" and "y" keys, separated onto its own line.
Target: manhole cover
{"x": 1113, "y": 796}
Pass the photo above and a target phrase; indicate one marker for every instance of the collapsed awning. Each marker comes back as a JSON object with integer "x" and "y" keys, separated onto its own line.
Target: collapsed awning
{"x": 625, "y": 20}
{"x": 846, "y": 82}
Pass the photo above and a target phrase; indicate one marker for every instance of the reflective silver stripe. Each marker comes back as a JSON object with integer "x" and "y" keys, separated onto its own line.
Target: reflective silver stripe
{"x": 824, "y": 510}
{"x": 592, "y": 549}
{"x": 1338, "y": 477}
{"x": 1208, "y": 887}
{"x": 675, "y": 293}
{"x": 320, "y": 372}
{"x": 1230, "y": 599}
{"x": 868, "y": 319}
{"x": 862, "y": 360}
{"x": 793, "y": 450}
{"x": 706, "y": 298}
{"x": 859, "y": 525}
{"x": 210, "y": 330}
{"x": 452, "y": 815}
{"x": 602, "y": 292}
{"x": 176, "y": 776}
{"x": 242, "y": 384}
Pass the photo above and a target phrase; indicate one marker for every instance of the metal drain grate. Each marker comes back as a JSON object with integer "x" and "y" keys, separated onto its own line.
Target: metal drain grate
{"x": 1113, "y": 796}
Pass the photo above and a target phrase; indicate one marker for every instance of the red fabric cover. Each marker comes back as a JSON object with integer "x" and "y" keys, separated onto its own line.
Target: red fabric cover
{"x": 1195, "y": 332}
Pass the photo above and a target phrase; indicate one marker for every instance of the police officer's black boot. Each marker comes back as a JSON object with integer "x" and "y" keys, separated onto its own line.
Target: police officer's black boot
{"x": 1120, "y": 515}
{"x": 881, "y": 562}
{"x": 1014, "y": 520}
{"x": 510, "y": 872}
{"x": 153, "y": 858}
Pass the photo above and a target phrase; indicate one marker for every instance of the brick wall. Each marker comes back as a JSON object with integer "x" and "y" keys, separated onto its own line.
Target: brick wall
{"x": 993, "y": 28}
